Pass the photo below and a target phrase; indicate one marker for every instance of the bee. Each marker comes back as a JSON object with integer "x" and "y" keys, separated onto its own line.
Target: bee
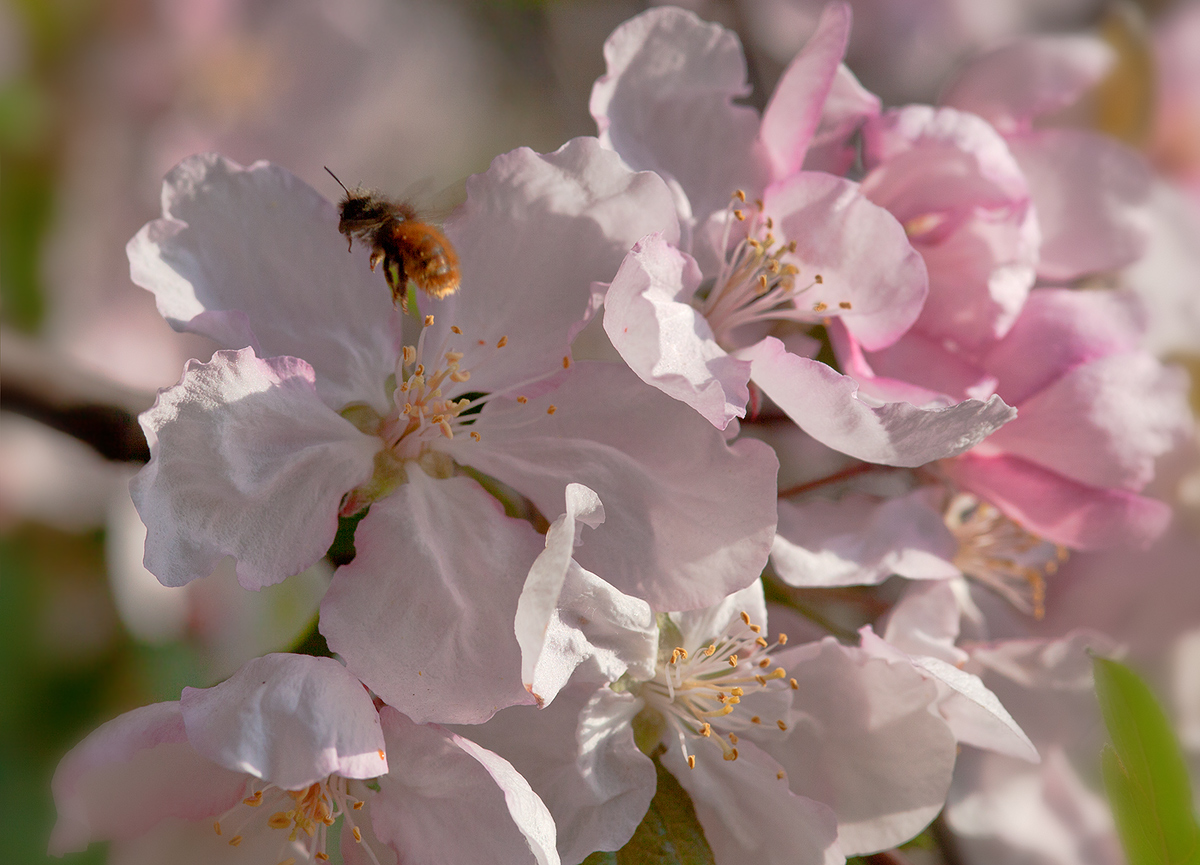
{"x": 409, "y": 248}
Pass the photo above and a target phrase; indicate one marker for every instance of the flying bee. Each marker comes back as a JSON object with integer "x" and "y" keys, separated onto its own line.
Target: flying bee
{"x": 409, "y": 248}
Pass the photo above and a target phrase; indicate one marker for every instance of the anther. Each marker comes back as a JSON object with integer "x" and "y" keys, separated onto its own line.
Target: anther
{"x": 279, "y": 820}
{"x": 358, "y": 806}
{"x": 566, "y": 362}
{"x": 710, "y": 650}
{"x": 324, "y": 857}
{"x": 782, "y": 725}
{"x": 706, "y": 730}
{"x": 357, "y": 835}
{"x": 731, "y": 754}
{"x": 819, "y": 280}
{"x": 762, "y": 680}
{"x": 737, "y": 692}
{"x": 475, "y": 436}
{"x": 444, "y": 426}
{"x": 820, "y": 306}
{"x": 782, "y": 640}
{"x": 551, "y": 409}
{"x": 754, "y": 719}
{"x": 522, "y": 400}
{"x": 217, "y": 827}
{"x": 691, "y": 761}
{"x": 410, "y": 355}
{"x": 733, "y": 660}
{"x": 760, "y": 642}
{"x": 502, "y": 341}
{"x": 764, "y": 663}
{"x": 235, "y": 840}
{"x": 429, "y": 321}
{"x": 780, "y": 775}
{"x": 795, "y": 685}
{"x": 739, "y": 194}
{"x": 733, "y": 738}
{"x": 455, "y": 329}
{"x": 739, "y": 216}
{"x": 460, "y": 375}
{"x": 844, "y": 304}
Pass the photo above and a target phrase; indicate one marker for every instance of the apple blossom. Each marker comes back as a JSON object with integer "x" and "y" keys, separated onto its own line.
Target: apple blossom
{"x": 256, "y": 453}
{"x": 696, "y": 318}
{"x": 261, "y": 766}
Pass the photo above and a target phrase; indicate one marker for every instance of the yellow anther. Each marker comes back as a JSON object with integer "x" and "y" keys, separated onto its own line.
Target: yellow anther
{"x": 357, "y": 835}
{"x": 782, "y": 725}
{"x": 737, "y": 692}
{"x": 455, "y": 329}
{"x": 739, "y": 194}
{"x": 454, "y": 356}
{"x": 760, "y": 642}
{"x": 795, "y": 685}
{"x": 762, "y": 680}
{"x": 765, "y": 662}
{"x": 522, "y": 399}
{"x": 754, "y": 244}
{"x": 739, "y": 216}
{"x": 235, "y": 840}
{"x": 754, "y": 719}
{"x": 758, "y": 202}
{"x": 731, "y": 754}
{"x": 710, "y": 650}
{"x": 780, "y": 775}
{"x": 844, "y": 304}
{"x": 475, "y": 435}
{"x": 429, "y": 321}
{"x": 217, "y": 827}
{"x": 769, "y": 240}
{"x": 733, "y": 662}
{"x": 782, "y": 639}
{"x": 358, "y": 806}
{"x": 706, "y": 730}
{"x": 820, "y": 306}
{"x": 733, "y": 739}
{"x": 551, "y": 409}
{"x": 279, "y": 820}
{"x": 324, "y": 857}
{"x": 762, "y": 282}
{"x": 410, "y": 355}
{"x": 460, "y": 375}
{"x": 444, "y": 426}
{"x": 419, "y": 372}
{"x": 502, "y": 341}
{"x": 253, "y": 801}
{"x": 566, "y": 361}
{"x": 691, "y": 761}
{"x": 819, "y": 280}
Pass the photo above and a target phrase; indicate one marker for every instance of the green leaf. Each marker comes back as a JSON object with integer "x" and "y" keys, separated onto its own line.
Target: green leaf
{"x": 1144, "y": 772}
{"x": 669, "y": 834}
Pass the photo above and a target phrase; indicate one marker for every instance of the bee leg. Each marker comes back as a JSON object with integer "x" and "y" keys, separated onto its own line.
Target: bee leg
{"x": 349, "y": 243}
{"x": 376, "y": 257}
{"x": 397, "y": 280}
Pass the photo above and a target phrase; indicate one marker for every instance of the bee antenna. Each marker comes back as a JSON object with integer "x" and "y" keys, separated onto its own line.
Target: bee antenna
{"x": 335, "y": 177}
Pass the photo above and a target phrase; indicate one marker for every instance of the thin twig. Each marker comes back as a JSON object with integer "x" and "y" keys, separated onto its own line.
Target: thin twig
{"x": 844, "y": 474}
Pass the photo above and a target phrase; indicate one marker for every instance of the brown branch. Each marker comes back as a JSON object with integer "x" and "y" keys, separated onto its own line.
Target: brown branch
{"x": 844, "y": 474}
{"x": 44, "y": 386}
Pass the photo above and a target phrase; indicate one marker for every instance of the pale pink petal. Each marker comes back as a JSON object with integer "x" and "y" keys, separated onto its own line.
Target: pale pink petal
{"x": 424, "y": 614}
{"x": 1059, "y": 509}
{"x": 665, "y": 340}
{"x": 795, "y": 110}
{"x": 246, "y": 460}
{"x": 1092, "y": 198}
{"x": 952, "y": 181}
{"x": 973, "y": 713}
{"x": 536, "y": 231}
{"x": 1059, "y": 329}
{"x": 179, "y": 842}
{"x": 825, "y": 404}
{"x": 749, "y": 814}
{"x": 848, "y": 106}
{"x": 860, "y": 540}
{"x": 579, "y": 755}
{"x": 456, "y": 802}
{"x": 699, "y": 628}
{"x": 252, "y": 257}
{"x": 858, "y": 249}
{"x": 1029, "y": 77}
{"x": 567, "y": 616}
{"x": 666, "y": 104}
{"x": 923, "y": 364}
{"x": 291, "y": 720}
{"x": 130, "y": 774}
{"x": 1103, "y": 423}
{"x": 925, "y": 621}
{"x": 864, "y": 742}
{"x": 1060, "y": 664}
{"x": 678, "y": 537}
{"x": 1010, "y": 813}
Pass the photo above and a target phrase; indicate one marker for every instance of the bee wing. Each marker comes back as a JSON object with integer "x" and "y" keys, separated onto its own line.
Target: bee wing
{"x": 436, "y": 206}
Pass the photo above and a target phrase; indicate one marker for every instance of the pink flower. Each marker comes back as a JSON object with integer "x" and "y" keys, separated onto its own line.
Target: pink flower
{"x": 260, "y": 766}
{"x": 696, "y": 318}
{"x": 782, "y": 749}
{"x": 256, "y": 452}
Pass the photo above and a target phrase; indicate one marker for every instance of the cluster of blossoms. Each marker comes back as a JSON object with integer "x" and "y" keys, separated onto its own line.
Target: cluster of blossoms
{"x": 557, "y": 587}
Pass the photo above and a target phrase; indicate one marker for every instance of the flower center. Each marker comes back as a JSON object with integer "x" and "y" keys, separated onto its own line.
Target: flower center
{"x": 425, "y": 410}
{"x": 754, "y": 283}
{"x": 720, "y": 688}
{"x": 1000, "y": 554}
{"x": 303, "y": 818}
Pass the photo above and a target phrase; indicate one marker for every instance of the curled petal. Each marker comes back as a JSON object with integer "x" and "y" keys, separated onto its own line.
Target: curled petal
{"x": 245, "y": 460}
{"x": 825, "y": 404}
{"x": 424, "y": 614}
{"x": 665, "y": 340}
{"x": 291, "y": 720}
{"x": 795, "y": 110}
